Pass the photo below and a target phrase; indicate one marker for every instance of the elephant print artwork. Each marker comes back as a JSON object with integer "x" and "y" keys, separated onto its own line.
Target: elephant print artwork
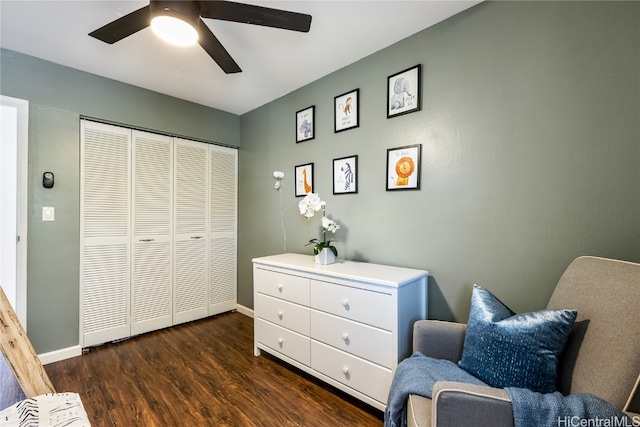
{"x": 306, "y": 129}
{"x": 403, "y": 91}
{"x": 305, "y": 124}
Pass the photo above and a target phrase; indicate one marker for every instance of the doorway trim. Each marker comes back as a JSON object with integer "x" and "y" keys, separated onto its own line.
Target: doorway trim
{"x": 22, "y": 108}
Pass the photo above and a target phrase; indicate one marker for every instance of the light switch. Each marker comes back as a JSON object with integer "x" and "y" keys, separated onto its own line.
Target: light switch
{"x": 48, "y": 213}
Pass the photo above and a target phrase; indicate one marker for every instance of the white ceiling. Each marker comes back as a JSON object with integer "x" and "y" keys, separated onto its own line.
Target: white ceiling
{"x": 274, "y": 62}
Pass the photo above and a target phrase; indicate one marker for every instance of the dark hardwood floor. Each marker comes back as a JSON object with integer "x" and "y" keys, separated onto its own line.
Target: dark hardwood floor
{"x": 202, "y": 373}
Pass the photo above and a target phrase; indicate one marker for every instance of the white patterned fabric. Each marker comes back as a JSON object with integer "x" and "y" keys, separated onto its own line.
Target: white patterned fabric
{"x": 46, "y": 410}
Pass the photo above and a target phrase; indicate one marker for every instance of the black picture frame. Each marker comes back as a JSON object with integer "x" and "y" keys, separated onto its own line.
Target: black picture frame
{"x": 404, "y": 92}
{"x": 306, "y": 124}
{"x": 404, "y": 167}
{"x": 345, "y": 175}
{"x": 304, "y": 179}
{"x": 346, "y": 111}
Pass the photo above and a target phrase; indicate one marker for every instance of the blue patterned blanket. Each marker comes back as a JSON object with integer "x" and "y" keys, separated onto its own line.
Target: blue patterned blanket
{"x": 532, "y": 409}
{"x": 419, "y": 373}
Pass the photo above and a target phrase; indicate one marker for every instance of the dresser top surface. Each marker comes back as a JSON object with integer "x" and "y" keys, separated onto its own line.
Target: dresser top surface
{"x": 351, "y": 270}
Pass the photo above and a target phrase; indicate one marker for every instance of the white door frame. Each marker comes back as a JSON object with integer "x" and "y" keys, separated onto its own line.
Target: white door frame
{"x": 21, "y": 167}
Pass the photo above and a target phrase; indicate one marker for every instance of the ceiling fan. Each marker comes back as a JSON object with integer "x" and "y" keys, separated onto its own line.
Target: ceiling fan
{"x": 190, "y": 13}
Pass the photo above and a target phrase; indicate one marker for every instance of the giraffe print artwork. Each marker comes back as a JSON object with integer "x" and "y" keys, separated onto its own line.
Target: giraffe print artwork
{"x": 304, "y": 179}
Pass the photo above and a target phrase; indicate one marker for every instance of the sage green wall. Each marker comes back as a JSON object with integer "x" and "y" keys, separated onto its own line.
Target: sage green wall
{"x": 57, "y": 97}
{"x": 531, "y": 157}
{"x": 531, "y": 154}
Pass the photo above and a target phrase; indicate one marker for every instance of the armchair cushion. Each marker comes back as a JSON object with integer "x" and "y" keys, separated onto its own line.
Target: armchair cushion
{"x": 417, "y": 375}
{"x": 505, "y": 349}
{"x": 439, "y": 339}
{"x": 457, "y": 404}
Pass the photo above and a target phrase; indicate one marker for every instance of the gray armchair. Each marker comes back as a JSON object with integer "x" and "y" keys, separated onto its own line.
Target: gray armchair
{"x": 601, "y": 357}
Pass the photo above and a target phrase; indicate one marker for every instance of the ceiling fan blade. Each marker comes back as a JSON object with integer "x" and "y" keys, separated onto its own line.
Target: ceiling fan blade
{"x": 124, "y": 26}
{"x": 257, "y": 15}
{"x": 214, "y": 48}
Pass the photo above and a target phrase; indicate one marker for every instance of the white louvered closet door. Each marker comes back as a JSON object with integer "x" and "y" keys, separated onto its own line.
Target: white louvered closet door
{"x": 191, "y": 231}
{"x": 223, "y": 175}
{"x": 152, "y": 209}
{"x": 104, "y": 233}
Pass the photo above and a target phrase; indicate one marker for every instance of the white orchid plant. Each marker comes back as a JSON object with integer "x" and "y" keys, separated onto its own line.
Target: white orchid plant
{"x": 308, "y": 207}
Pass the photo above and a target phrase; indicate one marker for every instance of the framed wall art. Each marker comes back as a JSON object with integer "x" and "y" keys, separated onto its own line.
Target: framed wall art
{"x": 304, "y": 179}
{"x": 403, "y": 167}
{"x": 305, "y": 124}
{"x": 403, "y": 92}
{"x": 346, "y": 112}
{"x": 345, "y": 175}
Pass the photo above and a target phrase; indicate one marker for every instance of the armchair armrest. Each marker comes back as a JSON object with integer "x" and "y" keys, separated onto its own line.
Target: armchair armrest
{"x": 458, "y": 404}
{"x": 439, "y": 339}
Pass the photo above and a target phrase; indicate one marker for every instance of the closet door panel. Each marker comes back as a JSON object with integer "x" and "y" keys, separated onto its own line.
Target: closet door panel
{"x": 190, "y": 300}
{"x": 190, "y": 187}
{"x": 158, "y": 231}
{"x": 152, "y": 288}
{"x": 223, "y": 273}
{"x": 152, "y": 195}
{"x": 191, "y": 231}
{"x": 224, "y": 190}
{"x": 105, "y": 177}
{"x": 223, "y": 227}
{"x": 105, "y": 293}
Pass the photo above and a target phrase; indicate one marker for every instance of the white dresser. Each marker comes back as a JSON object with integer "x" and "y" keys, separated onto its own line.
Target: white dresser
{"x": 347, "y": 323}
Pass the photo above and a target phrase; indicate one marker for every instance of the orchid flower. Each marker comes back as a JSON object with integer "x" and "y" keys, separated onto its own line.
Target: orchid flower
{"x": 308, "y": 207}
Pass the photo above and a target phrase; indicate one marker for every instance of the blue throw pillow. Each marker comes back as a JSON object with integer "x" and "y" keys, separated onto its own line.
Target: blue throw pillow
{"x": 505, "y": 349}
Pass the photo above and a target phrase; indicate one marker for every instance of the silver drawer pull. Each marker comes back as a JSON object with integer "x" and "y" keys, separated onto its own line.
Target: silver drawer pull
{"x": 280, "y": 342}
{"x": 280, "y": 287}
{"x": 345, "y": 370}
{"x": 146, "y": 240}
{"x": 197, "y": 237}
{"x": 280, "y": 313}
{"x": 345, "y": 303}
{"x": 345, "y": 336}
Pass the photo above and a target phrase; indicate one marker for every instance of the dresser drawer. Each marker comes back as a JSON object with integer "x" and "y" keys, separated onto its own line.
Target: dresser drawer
{"x": 373, "y": 344}
{"x": 283, "y": 341}
{"x": 284, "y": 286}
{"x": 366, "y": 377}
{"x": 372, "y": 308}
{"x": 283, "y": 313}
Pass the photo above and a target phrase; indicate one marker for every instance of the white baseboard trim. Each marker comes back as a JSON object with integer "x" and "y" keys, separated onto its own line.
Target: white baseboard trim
{"x": 244, "y": 310}
{"x": 69, "y": 352}
{"x": 62, "y": 354}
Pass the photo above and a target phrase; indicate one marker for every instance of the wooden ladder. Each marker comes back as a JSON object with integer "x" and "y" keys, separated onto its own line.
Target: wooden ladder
{"x": 19, "y": 353}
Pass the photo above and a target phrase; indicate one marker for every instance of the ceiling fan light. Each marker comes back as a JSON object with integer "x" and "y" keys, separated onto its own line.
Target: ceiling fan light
{"x": 174, "y": 30}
